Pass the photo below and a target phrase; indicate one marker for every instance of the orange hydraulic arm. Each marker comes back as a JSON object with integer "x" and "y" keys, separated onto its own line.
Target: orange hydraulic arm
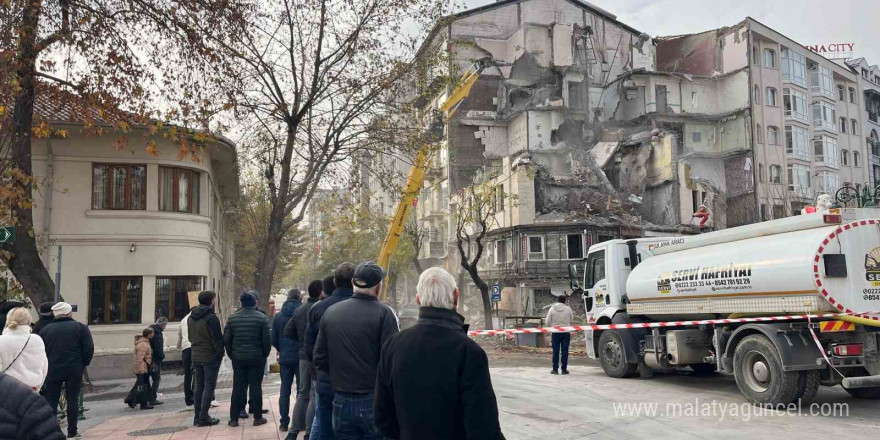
{"x": 420, "y": 165}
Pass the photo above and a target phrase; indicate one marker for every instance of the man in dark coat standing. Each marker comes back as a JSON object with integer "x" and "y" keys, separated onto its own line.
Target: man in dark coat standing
{"x": 435, "y": 358}
{"x": 248, "y": 343}
{"x": 69, "y": 348}
{"x": 288, "y": 354}
{"x": 206, "y": 339}
{"x": 24, "y": 415}
{"x": 295, "y": 330}
{"x": 46, "y": 316}
{"x": 323, "y": 389}
{"x": 157, "y": 344}
{"x": 349, "y": 342}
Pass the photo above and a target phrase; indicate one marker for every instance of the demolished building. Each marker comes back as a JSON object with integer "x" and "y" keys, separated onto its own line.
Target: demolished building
{"x": 597, "y": 132}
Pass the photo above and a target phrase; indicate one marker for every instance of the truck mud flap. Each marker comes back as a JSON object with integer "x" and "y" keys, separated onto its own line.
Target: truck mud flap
{"x": 631, "y": 337}
{"x": 796, "y": 348}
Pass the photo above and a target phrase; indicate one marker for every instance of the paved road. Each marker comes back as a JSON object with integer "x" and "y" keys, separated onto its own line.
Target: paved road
{"x": 588, "y": 405}
{"x": 537, "y": 405}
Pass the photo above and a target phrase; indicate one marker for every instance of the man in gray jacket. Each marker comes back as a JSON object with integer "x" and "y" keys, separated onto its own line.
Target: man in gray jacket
{"x": 559, "y": 315}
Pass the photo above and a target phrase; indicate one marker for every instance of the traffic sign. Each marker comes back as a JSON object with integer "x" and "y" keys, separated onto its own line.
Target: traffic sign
{"x": 7, "y": 234}
{"x": 496, "y": 291}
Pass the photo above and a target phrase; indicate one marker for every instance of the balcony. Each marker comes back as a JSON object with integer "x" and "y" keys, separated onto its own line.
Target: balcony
{"x": 531, "y": 270}
{"x": 436, "y": 249}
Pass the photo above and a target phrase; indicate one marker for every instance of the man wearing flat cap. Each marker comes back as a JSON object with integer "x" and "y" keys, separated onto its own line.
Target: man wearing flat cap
{"x": 69, "y": 348}
{"x": 248, "y": 342}
{"x": 350, "y": 338}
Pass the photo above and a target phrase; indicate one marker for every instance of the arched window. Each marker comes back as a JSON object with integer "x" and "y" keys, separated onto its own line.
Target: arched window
{"x": 757, "y": 95}
{"x": 772, "y": 135}
{"x": 771, "y": 96}
{"x": 855, "y": 126}
{"x": 856, "y": 160}
{"x": 844, "y": 157}
{"x": 841, "y": 94}
{"x": 852, "y": 95}
{"x": 842, "y": 124}
{"x": 758, "y": 134}
{"x": 770, "y": 58}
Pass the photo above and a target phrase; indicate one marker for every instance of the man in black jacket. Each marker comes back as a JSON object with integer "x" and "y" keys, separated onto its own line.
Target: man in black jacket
{"x": 24, "y": 415}
{"x": 304, "y": 409}
{"x": 206, "y": 339}
{"x": 157, "y": 344}
{"x": 288, "y": 354}
{"x": 435, "y": 358}
{"x": 350, "y": 339}
{"x": 69, "y": 348}
{"x": 247, "y": 339}
{"x": 323, "y": 390}
{"x": 46, "y": 316}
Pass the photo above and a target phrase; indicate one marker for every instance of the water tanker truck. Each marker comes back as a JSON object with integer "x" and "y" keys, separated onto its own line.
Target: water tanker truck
{"x": 816, "y": 264}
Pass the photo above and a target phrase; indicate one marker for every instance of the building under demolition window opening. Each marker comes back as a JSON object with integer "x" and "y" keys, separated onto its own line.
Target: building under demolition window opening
{"x": 575, "y": 246}
{"x": 536, "y": 247}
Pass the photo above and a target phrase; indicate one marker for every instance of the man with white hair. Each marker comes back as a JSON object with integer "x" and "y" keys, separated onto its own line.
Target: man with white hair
{"x": 435, "y": 358}
{"x": 69, "y": 348}
{"x": 350, "y": 337}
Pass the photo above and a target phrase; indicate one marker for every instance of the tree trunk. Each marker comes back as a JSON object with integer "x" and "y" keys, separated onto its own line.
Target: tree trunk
{"x": 484, "y": 293}
{"x": 25, "y": 262}
{"x": 417, "y": 264}
{"x": 487, "y": 305}
{"x": 268, "y": 261}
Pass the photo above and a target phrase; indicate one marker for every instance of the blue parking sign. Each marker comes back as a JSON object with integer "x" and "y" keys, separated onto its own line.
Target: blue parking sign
{"x": 496, "y": 292}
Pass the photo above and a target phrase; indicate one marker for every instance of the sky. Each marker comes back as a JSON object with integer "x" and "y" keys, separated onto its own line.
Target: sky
{"x": 807, "y": 22}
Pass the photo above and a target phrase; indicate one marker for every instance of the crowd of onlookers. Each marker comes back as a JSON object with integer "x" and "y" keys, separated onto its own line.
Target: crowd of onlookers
{"x": 356, "y": 375}
{"x": 39, "y": 361}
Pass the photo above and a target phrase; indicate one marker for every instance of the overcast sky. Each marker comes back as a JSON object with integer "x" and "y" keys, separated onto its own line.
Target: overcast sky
{"x": 805, "y": 21}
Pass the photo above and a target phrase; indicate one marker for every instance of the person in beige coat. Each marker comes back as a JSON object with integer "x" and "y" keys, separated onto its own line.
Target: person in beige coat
{"x": 559, "y": 315}
{"x": 141, "y": 393}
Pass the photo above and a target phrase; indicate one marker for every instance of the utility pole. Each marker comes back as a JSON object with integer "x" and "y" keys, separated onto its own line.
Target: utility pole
{"x": 58, "y": 277}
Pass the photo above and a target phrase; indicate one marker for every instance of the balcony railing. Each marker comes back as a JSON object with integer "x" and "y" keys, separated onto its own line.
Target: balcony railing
{"x": 540, "y": 269}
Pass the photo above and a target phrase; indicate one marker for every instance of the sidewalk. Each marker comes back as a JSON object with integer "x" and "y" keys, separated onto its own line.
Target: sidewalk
{"x": 171, "y": 383}
{"x": 178, "y": 426}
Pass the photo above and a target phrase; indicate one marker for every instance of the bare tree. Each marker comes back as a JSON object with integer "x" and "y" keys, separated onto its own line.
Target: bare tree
{"x": 473, "y": 217}
{"x": 416, "y": 235}
{"x": 311, "y": 79}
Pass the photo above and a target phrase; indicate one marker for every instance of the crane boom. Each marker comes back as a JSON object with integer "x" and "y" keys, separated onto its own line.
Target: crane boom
{"x": 417, "y": 173}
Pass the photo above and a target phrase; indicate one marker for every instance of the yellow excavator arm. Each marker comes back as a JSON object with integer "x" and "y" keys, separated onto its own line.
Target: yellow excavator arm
{"x": 420, "y": 165}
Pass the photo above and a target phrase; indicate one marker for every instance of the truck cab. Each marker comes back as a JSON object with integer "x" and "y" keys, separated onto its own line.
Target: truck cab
{"x": 601, "y": 279}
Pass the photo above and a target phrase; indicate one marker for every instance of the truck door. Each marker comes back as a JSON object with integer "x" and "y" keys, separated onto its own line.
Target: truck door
{"x": 596, "y": 292}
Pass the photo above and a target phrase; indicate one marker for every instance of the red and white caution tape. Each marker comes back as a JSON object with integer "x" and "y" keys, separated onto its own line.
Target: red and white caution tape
{"x": 578, "y": 328}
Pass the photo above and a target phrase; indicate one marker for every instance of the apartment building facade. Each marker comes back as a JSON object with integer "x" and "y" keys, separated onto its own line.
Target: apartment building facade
{"x": 806, "y": 121}
{"x": 136, "y": 231}
{"x": 869, "y": 93}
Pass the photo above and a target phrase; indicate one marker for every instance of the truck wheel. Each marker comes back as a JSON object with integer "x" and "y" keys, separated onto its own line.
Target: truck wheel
{"x": 703, "y": 369}
{"x": 757, "y": 367}
{"x": 612, "y": 356}
{"x": 808, "y": 386}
